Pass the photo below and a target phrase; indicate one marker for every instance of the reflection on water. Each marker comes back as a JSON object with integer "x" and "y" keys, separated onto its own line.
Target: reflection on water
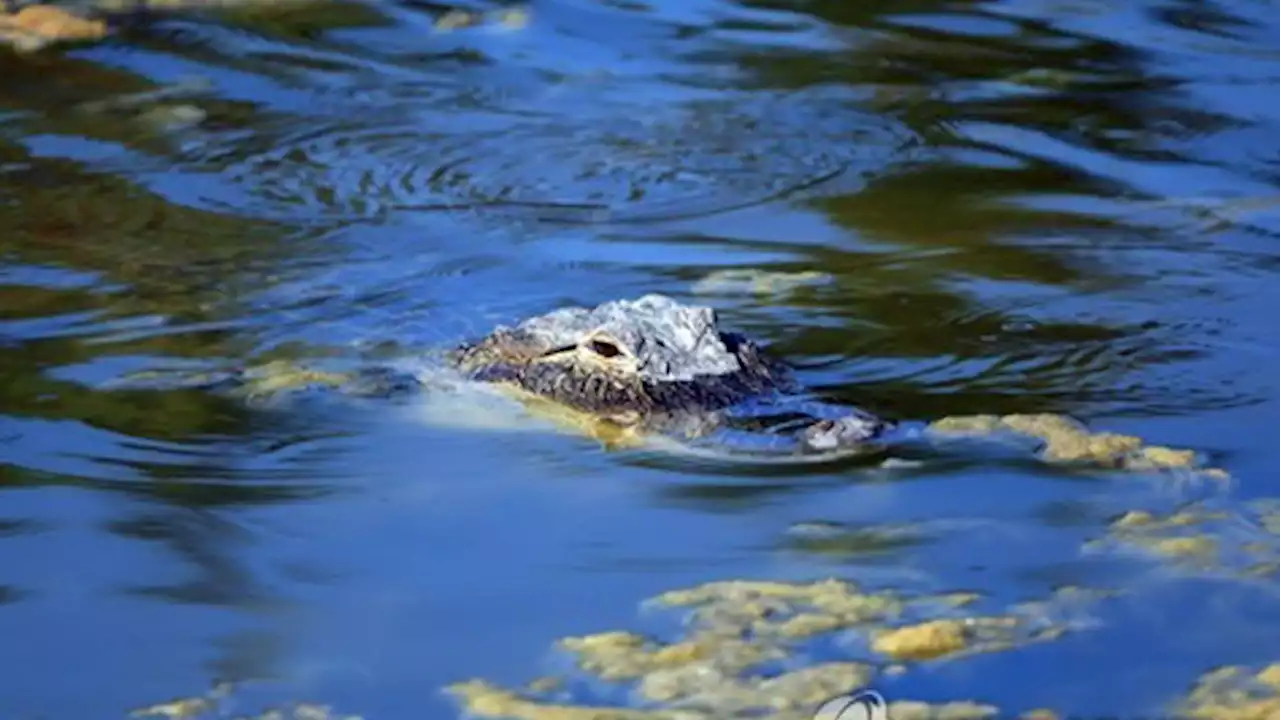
{"x": 1012, "y": 206}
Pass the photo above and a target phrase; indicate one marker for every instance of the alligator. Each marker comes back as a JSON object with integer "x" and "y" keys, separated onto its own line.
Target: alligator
{"x": 628, "y": 371}
{"x": 661, "y": 367}
{"x": 633, "y": 370}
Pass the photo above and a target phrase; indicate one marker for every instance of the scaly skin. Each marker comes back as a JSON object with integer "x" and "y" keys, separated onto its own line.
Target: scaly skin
{"x": 656, "y": 365}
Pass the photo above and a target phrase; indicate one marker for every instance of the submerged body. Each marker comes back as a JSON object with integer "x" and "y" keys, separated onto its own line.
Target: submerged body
{"x": 628, "y": 371}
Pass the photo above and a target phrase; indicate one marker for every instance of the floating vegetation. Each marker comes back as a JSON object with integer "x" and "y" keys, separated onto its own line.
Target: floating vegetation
{"x": 507, "y": 18}
{"x": 750, "y": 281}
{"x": 1235, "y": 693}
{"x": 1242, "y": 543}
{"x": 211, "y": 703}
{"x": 1068, "y": 441}
{"x": 743, "y": 653}
{"x": 839, "y": 541}
{"x": 35, "y": 27}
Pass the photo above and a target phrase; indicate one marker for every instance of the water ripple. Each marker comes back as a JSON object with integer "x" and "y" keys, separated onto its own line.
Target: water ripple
{"x": 695, "y": 158}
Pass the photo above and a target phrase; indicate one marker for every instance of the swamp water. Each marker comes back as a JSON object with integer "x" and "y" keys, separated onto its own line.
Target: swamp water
{"x": 1001, "y": 208}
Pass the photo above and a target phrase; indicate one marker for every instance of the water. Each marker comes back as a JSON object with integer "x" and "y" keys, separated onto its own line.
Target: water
{"x": 1022, "y": 207}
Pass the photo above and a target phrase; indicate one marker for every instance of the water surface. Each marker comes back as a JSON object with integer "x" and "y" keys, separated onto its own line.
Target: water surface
{"x": 1021, "y": 206}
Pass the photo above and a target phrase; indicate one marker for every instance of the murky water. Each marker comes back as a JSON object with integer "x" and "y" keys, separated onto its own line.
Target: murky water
{"x": 1018, "y": 206}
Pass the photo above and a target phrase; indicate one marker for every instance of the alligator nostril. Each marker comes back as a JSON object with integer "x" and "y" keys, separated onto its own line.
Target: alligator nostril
{"x": 605, "y": 349}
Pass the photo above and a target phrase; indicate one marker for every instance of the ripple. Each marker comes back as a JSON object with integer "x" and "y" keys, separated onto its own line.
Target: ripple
{"x": 623, "y": 165}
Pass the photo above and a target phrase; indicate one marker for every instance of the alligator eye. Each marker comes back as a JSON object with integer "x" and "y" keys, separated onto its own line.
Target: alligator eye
{"x": 604, "y": 348}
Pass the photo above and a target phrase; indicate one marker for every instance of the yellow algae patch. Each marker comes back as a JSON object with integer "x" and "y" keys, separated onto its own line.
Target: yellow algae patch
{"x": 1243, "y": 543}
{"x": 1270, "y": 676}
{"x": 1148, "y": 521}
{"x": 750, "y": 281}
{"x": 959, "y": 599}
{"x": 797, "y": 691}
{"x": 968, "y": 425}
{"x": 483, "y": 699}
{"x": 1268, "y": 515}
{"x": 947, "y": 636}
{"x": 36, "y": 26}
{"x": 777, "y": 613}
{"x": 1197, "y": 546}
{"x": 172, "y": 117}
{"x": 808, "y": 687}
{"x": 739, "y": 632}
{"x": 624, "y": 655}
{"x": 511, "y": 18}
{"x": 1167, "y": 535}
{"x": 179, "y": 709}
{"x": 921, "y": 642}
{"x": 545, "y": 684}
{"x": 187, "y": 707}
{"x": 1233, "y": 693}
{"x": 603, "y": 652}
{"x": 1157, "y": 456}
{"x": 807, "y": 624}
{"x": 791, "y": 610}
{"x": 912, "y": 710}
{"x": 1134, "y": 518}
{"x": 209, "y": 703}
{"x": 729, "y": 693}
{"x": 1069, "y": 441}
{"x": 740, "y": 590}
{"x": 55, "y": 23}
{"x": 1268, "y": 709}
{"x": 312, "y": 711}
{"x": 456, "y": 20}
{"x": 281, "y": 375}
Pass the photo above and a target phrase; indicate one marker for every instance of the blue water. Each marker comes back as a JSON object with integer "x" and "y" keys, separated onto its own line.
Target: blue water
{"x": 1101, "y": 242}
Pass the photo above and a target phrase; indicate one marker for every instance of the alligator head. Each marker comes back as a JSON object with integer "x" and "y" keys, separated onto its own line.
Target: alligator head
{"x": 627, "y": 360}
